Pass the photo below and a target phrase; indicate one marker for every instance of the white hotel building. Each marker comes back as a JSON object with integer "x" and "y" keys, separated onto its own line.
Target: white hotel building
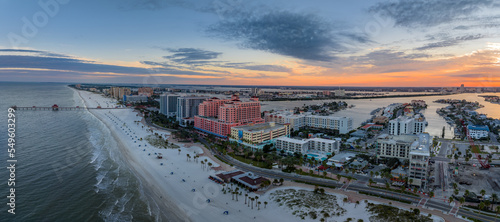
{"x": 314, "y": 145}
{"x": 296, "y": 121}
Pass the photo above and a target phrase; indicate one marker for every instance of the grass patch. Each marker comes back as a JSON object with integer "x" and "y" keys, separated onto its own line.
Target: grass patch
{"x": 252, "y": 162}
{"x": 218, "y": 157}
{"x": 310, "y": 183}
{"x": 393, "y": 190}
{"x": 385, "y": 197}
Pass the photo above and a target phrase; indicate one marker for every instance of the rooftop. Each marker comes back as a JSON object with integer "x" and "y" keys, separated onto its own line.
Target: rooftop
{"x": 269, "y": 126}
{"x": 478, "y": 127}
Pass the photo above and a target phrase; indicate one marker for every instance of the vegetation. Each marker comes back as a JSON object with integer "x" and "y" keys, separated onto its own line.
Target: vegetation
{"x": 311, "y": 204}
{"x": 389, "y": 213}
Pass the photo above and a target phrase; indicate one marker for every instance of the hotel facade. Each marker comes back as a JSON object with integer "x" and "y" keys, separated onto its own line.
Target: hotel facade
{"x": 230, "y": 113}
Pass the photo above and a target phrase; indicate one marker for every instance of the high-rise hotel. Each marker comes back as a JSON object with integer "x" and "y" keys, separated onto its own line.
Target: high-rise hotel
{"x": 216, "y": 116}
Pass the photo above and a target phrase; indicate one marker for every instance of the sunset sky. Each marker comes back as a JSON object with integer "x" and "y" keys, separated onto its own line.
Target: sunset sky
{"x": 237, "y": 42}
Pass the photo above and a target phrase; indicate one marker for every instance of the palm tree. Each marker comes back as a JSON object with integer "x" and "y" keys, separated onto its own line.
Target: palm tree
{"x": 188, "y": 156}
{"x": 462, "y": 200}
{"x": 338, "y": 177}
{"x": 357, "y": 203}
{"x": 252, "y": 199}
{"x": 487, "y": 204}
{"x": 370, "y": 181}
{"x": 482, "y": 192}
{"x": 450, "y": 200}
{"x": 431, "y": 194}
{"x": 466, "y": 193}
{"x": 265, "y": 204}
{"x": 281, "y": 181}
{"x": 324, "y": 174}
{"x": 387, "y": 185}
{"x": 256, "y": 198}
{"x": 455, "y": 185}
{"x": 246, "y": 195}
{"x": 311, "y": 172}
{"x": 209, "y": 165}
{"x": 377, "y": 173}
{"x": 258, "y": 204}
{"x": 494, "y": 198}
{"x": 481, "y": 206}
{"x": 236, "y": 191}
{"x": 179, "y": 152}
{"x": 344, "y": 201}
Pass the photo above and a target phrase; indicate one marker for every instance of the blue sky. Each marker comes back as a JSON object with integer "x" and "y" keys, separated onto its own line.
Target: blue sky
{"x": 234, "y": 42}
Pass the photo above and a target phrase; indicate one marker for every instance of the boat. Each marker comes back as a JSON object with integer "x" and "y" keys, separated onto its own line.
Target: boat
{"x": 159, "y": 156}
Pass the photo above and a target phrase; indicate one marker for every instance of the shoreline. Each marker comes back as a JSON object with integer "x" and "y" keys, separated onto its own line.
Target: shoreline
{"x": 149, "y": 190}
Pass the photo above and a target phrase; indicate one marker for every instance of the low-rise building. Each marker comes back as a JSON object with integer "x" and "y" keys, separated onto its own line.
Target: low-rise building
{"x": 340, "y": 159}
{"x": 314, "y": 145}
{"x": 296, "y": 121}
{"x": 477, "y": 131}
{"x": 135, "y": 99}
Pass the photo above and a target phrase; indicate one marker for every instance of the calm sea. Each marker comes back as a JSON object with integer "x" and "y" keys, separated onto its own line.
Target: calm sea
{"x": 69, "y": 167}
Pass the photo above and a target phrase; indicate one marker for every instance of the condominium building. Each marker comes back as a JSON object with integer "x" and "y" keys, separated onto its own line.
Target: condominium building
{"x": 230, "y": 113}
{"x": 168, "y": 104}
{"x": 407, "y": 125}
{"x": 419, "y": 161}
{"x": 342, "y": 124}
{"x": 259, "y": 133}
{"x": 314, "y": 145}
{"x": 145, "y": 91}
{"x": 187, "y": 106}
{"x": 119, "y": 92}
{"x": 414, "y": 148}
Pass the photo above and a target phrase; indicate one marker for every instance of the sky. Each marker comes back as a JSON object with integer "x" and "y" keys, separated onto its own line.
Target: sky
{"x": 398, "y": 43}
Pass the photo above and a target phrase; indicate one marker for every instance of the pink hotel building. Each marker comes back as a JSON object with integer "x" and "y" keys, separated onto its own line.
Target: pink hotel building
{"x": 217, "y": 116}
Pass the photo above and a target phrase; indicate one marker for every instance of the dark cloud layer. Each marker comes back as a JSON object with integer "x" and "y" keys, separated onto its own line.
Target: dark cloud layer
{"x": 291, "y": 34}
{"x": 450, "y": 42}
{"x": 191, "y": 55}
{"x": 425, "y": 13}
{"x": 47, "y": 60}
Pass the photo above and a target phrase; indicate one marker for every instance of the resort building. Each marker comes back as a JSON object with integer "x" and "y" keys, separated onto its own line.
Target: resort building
{"x": 230, "y": 113}
{"x": 258, "y": 134}
{"x": 187, "y": 107}
{"x": 168, "y": 104}
{"x": 477, "y": 131}
{"x": 342, "y": 124}
{"x": 304, "y": 146}
{"x": 404, "y": 125}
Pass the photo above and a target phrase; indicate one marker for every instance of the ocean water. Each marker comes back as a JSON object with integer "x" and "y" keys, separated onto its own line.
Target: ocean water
{"x": 68, "y": 165}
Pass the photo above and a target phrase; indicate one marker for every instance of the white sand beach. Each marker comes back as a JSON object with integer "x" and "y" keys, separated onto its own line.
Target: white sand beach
{"x": 181, "y": 185}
